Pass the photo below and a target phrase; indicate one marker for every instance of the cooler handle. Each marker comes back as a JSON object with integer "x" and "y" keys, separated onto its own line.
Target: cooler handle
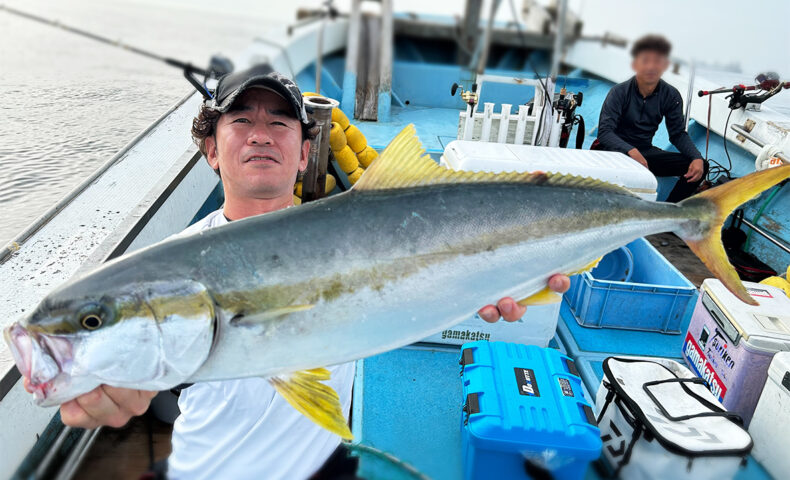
{"x": 717, "y": 411}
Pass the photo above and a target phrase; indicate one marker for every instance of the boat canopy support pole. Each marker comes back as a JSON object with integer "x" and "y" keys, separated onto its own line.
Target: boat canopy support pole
{"x": 347, "y": 103}
{"x": 559, "y": 39}
{"x": 385, "y": 61}
{"x": 469, "y": 31}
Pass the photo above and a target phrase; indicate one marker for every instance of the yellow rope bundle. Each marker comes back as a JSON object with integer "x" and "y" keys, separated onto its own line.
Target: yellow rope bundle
{"x": 349, "y": 147}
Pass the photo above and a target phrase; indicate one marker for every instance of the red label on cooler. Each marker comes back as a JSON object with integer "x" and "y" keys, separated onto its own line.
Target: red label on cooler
{"x": 699, "y": 363}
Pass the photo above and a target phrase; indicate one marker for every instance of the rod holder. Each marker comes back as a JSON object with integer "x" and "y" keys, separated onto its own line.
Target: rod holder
{"x": 314, "y": 179}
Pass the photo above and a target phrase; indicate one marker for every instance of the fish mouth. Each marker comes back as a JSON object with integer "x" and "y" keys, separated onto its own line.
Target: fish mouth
{"x": 42, "y": 359}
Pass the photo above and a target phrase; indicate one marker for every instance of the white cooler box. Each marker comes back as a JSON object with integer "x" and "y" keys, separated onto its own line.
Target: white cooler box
{"x": 770, "y": 425}
{"x": 612, "y": 167}
{"x": 730, "y": 343}
{"x": 536, "y": 327}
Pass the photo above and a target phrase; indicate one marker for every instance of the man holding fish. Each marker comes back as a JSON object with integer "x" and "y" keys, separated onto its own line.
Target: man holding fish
{"x": 255, "y": 134}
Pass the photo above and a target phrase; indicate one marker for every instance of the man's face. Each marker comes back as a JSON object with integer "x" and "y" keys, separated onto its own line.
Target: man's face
{"x": 258, "y": 146}
{"x": 649, "y": 66}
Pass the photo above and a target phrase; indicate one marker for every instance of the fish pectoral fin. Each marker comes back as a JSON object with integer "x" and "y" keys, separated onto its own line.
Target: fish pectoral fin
{"x": 543, "y": 297}
{"x": 586, "y": 268}
{"x": 315, "y": 400}
{"x": 252, "y": 319}
{"x": 547, "y": 295}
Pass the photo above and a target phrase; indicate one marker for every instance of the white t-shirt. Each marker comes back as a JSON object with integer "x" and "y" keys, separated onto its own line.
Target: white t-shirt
{"x": 243, "y": 429}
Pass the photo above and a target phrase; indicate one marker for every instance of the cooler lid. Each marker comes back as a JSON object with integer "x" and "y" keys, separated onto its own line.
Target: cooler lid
{"x": 612, "y": 167}
{"x": 765, "y": 326}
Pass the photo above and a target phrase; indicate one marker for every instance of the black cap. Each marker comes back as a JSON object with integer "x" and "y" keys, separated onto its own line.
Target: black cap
{"x": 232, "y": 85}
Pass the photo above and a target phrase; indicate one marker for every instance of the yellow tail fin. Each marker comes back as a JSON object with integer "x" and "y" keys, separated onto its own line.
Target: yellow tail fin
{"x": 317, "y": 401}
{"x": 706, "y": 242}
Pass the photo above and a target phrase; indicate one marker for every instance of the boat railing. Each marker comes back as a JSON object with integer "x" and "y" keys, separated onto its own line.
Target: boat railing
{"x": 42, "y": 220}
{"x": 488, "y": 126}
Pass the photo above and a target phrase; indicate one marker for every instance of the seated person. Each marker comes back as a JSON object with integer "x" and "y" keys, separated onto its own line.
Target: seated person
{"x": 633, "y": 110}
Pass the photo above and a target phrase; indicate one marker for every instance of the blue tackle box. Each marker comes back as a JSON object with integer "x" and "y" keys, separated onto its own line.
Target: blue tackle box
{"x": 524, "y": 411}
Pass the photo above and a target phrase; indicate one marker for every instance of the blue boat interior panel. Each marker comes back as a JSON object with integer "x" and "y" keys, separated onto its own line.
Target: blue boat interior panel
{"x": 578, "y": 339}
{"x": 411, "y": 409}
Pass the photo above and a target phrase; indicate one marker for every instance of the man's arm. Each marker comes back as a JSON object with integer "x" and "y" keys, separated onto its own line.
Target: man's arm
{"x": 611, "y": 111}
{"x": 676, "y": 126}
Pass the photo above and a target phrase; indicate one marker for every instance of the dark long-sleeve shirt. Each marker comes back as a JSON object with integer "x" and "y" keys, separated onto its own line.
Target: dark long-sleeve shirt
{"x": 629, "y": 120}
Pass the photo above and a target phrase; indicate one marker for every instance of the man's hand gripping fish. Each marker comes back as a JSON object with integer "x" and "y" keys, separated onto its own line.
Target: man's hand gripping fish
{"x": 411, "y": 250}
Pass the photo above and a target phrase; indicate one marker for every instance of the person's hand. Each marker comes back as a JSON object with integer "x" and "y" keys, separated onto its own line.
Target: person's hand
{"x": 511, "y": 311}
{"x": 696, "y": 170}
{"x": 636, "y": 155}
{"x": 105, "y": 405}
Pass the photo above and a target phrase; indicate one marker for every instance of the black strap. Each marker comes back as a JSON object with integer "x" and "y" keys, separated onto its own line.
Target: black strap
{"x": 716, "y": 411}
{"x": 609, "y": 398}
{"x": 627, "y": 457}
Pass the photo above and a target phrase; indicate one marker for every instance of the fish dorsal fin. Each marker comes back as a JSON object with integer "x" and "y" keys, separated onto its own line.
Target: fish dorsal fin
{"x": 404, "y": 164}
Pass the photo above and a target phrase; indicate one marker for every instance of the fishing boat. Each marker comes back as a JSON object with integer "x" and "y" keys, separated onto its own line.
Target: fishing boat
{"x": 472, "y": 80}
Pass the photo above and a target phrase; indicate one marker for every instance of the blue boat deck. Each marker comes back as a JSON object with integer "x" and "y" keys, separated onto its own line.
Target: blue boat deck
{"x": 407, "y": 403}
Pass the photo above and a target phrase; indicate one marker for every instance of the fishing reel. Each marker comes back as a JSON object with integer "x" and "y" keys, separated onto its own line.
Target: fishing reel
{"x": 768, "y": 83}
{"x": 471, "y": 97}
{"x": 219, "y": 65}
{"x": 565, "y": 104}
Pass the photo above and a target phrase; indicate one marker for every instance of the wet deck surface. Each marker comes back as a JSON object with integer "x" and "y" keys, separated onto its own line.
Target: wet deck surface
{"x": 674, "y": 250}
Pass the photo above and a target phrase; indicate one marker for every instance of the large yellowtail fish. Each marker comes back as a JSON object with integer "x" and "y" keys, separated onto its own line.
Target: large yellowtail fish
{"x": 412, "y": 249}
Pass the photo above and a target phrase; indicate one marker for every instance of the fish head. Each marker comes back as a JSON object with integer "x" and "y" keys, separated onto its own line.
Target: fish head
{"x": 140, "y": 335}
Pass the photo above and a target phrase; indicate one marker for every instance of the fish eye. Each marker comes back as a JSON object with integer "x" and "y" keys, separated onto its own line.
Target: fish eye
{"x": 92, "y": 316}
{"x": 91, "y": 321}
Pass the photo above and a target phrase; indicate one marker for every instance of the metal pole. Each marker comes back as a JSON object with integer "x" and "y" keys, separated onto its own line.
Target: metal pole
{"x": 485, "y": 44}
{"x": 740, "y": 130}
{"x": 352, "y": 57}
{"x": 559, "y": 39}
{"x": 46, "y": 462}
{"x": 766, "y": 235}
{"x": 469, "y": 29}
{"x": 314, "y": 180}
{"x": 690, "y": 92}
{"x": 78, "y": 454}
{"x": 319, "y": 58}
{"x": 385, "y": 62}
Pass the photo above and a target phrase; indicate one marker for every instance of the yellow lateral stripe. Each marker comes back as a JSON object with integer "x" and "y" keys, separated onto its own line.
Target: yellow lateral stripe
{"x": 404, "y": 164}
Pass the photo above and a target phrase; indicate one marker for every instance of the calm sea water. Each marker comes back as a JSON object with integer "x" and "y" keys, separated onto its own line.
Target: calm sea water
{"x": 67, "y": 104}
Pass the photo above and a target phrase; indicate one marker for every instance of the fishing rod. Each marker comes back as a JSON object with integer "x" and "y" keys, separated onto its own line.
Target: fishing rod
{"x": 767, "y": 82}
{"x": 218, "y": 64}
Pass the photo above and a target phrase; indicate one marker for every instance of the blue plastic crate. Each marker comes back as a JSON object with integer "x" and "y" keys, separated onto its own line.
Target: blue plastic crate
{"x": 658, "y": 298}
{"x": 524, "y": 404}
